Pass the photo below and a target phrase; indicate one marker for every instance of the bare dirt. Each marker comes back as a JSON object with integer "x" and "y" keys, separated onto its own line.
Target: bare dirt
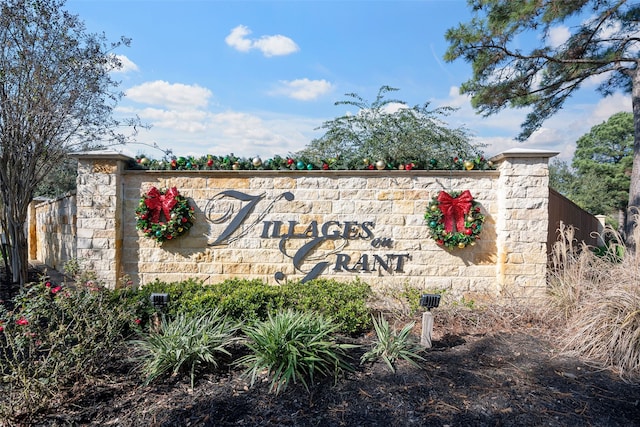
{"x": 479, "y": 373}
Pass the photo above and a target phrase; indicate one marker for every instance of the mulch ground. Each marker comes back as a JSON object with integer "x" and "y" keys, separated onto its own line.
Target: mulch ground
{"x": 492, "y": 369}
{"x": 515, "y": 378}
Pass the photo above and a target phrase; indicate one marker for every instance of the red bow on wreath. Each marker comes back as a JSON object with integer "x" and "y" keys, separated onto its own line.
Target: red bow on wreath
{"x": 158, "y": 202}
{"x": 454, "y": 209}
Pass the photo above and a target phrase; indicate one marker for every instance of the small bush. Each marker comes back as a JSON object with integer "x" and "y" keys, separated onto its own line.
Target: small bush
{"x": 186, "y": 344}
{"x": 391, "y": 346}
{"x": 54, "y": 337}
{"x": 294, "y": 347}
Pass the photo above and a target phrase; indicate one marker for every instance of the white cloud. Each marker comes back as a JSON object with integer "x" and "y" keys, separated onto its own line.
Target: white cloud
{"x": 180, "y": 120}
{"x": 394, "y": 107}
{"x": 197, "y": 131}
{"x": 597, "y": 80}
{"x": 558, "y": 35}
{"x": 177, "y": 95}
{"x": 608, "y": 106}
{"x": 456, "y": 99}
{"x": 275, "y": 45}
{"x": 127, "y": 65}
{"x": 236, "y": 39}
{"x": 303, "y": 89}
{"x": 222, "y": 133}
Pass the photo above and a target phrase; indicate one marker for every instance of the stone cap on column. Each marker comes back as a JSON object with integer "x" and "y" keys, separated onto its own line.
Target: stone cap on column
{"x": 523, "y": 153}
{"x": 101, "y": 154}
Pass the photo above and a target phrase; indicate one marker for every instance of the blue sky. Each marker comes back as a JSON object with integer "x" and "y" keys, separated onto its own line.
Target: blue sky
{"x": 258, "y": 77}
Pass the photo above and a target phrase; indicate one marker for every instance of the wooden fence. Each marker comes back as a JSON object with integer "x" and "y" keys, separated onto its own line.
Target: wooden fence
{"x": 587, "y": 227}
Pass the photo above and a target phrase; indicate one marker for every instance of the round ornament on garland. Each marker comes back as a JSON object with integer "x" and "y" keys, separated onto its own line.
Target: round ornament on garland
{"x": 454, "y": 219}
{"x": 164, "y": 214}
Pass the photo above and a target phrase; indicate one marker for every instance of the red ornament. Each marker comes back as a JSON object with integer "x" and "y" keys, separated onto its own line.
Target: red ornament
{"x": 209, "y": 162}
{"x": 290, "y": 161}
{"x": 325, "y": 166}
{"x": 174, "y": 164}
{"x": 409, "y": 166}
{"x": 440, "y": 242}
{"x": 468, "y": 231}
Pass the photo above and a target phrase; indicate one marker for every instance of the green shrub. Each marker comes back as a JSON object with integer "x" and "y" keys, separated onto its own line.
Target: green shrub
{"x": 390, "y": 345}
{"x": 139, "y": 298}
{"x": 345, "y": 303}
{"x": 186, "y": 343}
{"x": 54, "y": 337}
{"x": 253, "y": 300}
{"x": 246, "y": 300}
{"x": 294, "y": 347}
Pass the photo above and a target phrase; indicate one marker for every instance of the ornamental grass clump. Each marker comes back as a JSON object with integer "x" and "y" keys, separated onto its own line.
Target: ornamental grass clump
{"x": 600, "y": 297}
{"x": 186, "y": 344}
{"x": 294, "y": 347}
{"x": 390, "y": 345}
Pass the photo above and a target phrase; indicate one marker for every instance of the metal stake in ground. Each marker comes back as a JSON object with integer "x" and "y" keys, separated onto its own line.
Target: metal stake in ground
{"x": 429, "y": 301}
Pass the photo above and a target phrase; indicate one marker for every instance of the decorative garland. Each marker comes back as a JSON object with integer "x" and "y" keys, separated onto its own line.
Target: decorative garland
{"x": 164, "y": 215}
{"x": 454, "y": 219}
{"x": 231, "y": 162}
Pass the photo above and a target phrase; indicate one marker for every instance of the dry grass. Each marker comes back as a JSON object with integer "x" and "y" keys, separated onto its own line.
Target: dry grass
{"x": 599, "y": 295}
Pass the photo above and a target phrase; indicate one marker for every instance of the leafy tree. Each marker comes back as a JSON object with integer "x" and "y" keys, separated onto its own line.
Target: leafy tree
{"x": 56, "y": 95}
{"x": 387, "y": 129}
{"x": 598, "y": 180}
{"x": 605, "y": 155}
{"x": 59, "y": 180}
{"x": 562, "y": 178}
{"x": 605, "y": 43}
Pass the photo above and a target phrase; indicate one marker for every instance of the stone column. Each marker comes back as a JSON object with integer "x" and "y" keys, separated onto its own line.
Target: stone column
{"x": 99, "y": 213}
{"x": 522, "y": 221}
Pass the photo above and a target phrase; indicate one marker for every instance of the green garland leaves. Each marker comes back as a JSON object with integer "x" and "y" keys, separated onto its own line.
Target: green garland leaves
{"x": 293, "y": 163}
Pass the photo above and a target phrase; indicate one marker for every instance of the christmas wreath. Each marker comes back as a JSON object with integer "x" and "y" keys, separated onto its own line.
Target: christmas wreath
{"x": 454, "y": 219}
{"x": 164, "y": 215}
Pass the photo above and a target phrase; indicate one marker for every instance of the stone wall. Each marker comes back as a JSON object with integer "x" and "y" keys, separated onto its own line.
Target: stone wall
{"x": 288, "y": 225}
{"x": 53, "y": 231}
